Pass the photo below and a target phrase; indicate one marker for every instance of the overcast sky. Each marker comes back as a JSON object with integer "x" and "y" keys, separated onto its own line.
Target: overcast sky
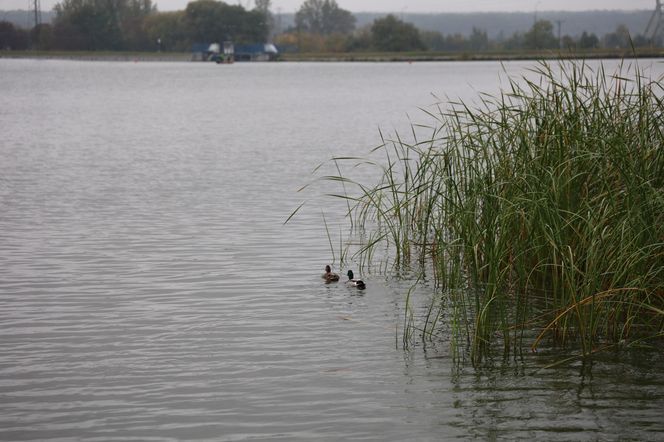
{"x": 406, "y": 5}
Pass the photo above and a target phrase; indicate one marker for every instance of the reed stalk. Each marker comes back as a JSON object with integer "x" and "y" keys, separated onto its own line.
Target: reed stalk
{"x": 539, "y": 212}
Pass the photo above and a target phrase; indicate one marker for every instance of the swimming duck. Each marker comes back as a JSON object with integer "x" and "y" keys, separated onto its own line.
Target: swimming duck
{"x": 328, "y": 276}
{"x": 355, "y": 282}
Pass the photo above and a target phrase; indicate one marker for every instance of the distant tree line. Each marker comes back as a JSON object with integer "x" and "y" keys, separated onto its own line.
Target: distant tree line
{"x": 137, "y": 25}
{"x": 320, "y": 26}
{"x": 12, "y": 37}
{"x": 393, "y": 34}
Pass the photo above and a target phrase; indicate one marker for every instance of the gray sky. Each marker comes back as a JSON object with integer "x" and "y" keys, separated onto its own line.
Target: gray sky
{"x": 407, "y": 5}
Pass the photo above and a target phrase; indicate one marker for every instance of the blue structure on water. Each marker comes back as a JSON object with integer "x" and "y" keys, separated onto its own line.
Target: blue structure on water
{"x": 231, "y": 52}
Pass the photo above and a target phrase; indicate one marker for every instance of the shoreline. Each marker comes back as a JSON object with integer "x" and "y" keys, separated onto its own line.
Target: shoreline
{"x": 377, "y": 57}
{"x": 101, "y": 56}
{"x": 477, "y": 56}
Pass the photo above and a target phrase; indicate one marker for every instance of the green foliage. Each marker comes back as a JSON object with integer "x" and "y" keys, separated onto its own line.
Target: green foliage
{"x": 136, "y": 25}
{"x": 360, "y": 40}
{"x": 322, "y": 26}
{"x": 308, "y": 42}
{"x": 540, "y": 214}
{"x": 170, "y": 29}
{"x": 84, "y": 24}
{"x": 12, "y": 38}
{"x": 263, "y": 8}
{"x": 324, "y": 17}
{"x": 393, "y": 35}
{"x": 133, "y": 24}
{"x": 41, "y": 37}
{"x": 433, "y": 40}
{"x": 588, "y": 41}
{"x": 540, "y": 36}
{"x": 99, "y": 24}
{"x": 618, "y": 39}
{"x": 213, "y": 21}
{"x": 479, "y": 40}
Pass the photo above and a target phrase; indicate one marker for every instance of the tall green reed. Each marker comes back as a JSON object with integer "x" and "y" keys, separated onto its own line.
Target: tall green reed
{"x": 540, "y": 212}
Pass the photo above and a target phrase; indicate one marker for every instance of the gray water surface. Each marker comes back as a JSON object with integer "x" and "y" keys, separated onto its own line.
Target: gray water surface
{"x": 149, "y": 289}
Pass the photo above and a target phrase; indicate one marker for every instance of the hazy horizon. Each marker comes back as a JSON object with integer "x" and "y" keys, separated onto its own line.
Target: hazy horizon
{"x": 402, "y": 6}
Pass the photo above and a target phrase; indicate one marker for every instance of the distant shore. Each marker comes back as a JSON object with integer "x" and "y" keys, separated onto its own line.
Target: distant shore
{"x": 97, "y": 55}
{"x": 343, "y": 57}
{"x": 475, "y": 56}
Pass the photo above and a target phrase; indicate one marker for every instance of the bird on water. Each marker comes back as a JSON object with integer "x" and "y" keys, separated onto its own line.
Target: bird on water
{"x": 355, "y": 282}
{"x": 328, "y": 276}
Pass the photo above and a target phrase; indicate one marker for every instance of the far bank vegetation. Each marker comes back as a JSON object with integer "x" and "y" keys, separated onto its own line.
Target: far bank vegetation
{"x": 319, "y": 26}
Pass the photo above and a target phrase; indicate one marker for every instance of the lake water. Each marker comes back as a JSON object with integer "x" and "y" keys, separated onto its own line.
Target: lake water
{"x": 149, "y": 289}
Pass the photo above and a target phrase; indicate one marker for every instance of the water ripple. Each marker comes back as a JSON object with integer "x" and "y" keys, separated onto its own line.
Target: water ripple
{"x": 150, "y": 291}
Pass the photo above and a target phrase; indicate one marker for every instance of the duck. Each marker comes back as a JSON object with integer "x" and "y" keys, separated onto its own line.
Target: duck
{"x": 328, "y": 276}
{"x": 355, "y": 282}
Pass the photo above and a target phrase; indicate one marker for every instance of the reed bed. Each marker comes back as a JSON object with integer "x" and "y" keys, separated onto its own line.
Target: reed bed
{"x": 538, "y": 212}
